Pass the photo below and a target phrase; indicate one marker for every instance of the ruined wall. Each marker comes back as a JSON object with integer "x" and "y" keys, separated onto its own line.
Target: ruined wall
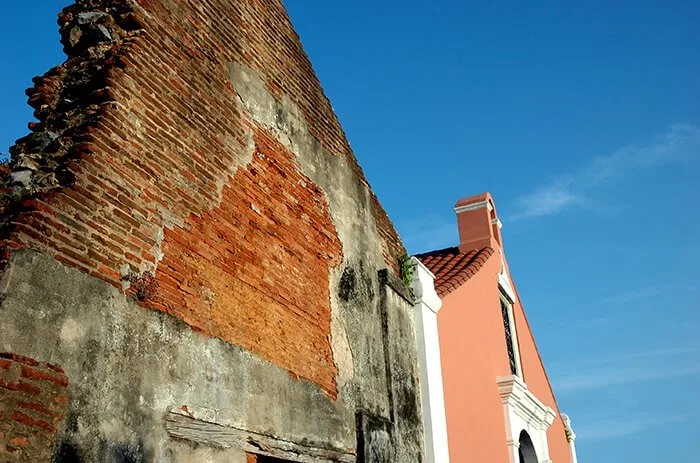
{"x": 188, "y": 235}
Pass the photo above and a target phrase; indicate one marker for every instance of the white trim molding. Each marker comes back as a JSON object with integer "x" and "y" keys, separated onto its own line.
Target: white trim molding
{"x": 427, "y": 305}
{"x": 570, "y": 437}
{"x": 504, "y": 281}
{"x": 524, "y": 412}
{"x": 423, "y": 286}
{"x": 474, "y": 207}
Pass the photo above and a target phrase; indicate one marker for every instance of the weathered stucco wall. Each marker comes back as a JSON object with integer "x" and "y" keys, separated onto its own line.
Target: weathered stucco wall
{"x": 187, "y": 234}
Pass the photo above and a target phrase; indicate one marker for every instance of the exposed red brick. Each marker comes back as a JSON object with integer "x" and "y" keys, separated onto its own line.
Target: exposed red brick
{"x": 31, "y": 414}
{"x": 36, "y": 374}
{"x": 37, "y": 407}
{"x": 18, "y": 358}
{"x": 20, "y": 386}
{"x": 29, "y": 421}
{"x": 255, "y": 270}
{"x": 18, "y": 441}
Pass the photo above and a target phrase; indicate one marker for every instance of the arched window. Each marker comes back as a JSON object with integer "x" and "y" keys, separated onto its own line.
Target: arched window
{"x": 527, "y": 450}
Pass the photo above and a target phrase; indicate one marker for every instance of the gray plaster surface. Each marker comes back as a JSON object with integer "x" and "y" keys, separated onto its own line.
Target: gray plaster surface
{"x": 128, "y": 366}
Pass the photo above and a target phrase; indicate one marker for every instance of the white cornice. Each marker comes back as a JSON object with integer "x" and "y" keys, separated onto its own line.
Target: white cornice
{"x": 423, "y": 286}
{"x": 521, "y": 401}
{"x": 475, "y": 206}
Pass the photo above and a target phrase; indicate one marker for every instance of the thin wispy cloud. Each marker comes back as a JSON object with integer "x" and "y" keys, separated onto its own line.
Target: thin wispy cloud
{"x": 599, "y": 316}
{"x": 680, "y": 142}
{"x": 615, "y": 377}
{"x": 548, "y": 200}
{"x": 613, "y": 428}
{"x": 622, "y": 358}
{"x": 649, "y": 292}
{"x": 616, "y": 369}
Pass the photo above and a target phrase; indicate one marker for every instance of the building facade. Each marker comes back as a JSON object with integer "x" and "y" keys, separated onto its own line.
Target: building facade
{"x": 499, "y": 403}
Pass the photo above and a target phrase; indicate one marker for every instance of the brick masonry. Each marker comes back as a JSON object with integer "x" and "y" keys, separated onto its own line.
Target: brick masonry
{"x": 145, "y": 171}
{"x": 33, "y": 401}
{"x": 262, "y": 259}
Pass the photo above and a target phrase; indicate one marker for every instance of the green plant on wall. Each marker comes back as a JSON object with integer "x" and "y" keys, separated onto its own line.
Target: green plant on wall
{"x": 406, "y": 269}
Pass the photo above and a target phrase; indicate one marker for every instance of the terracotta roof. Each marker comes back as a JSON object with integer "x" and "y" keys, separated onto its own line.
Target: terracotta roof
{"x": 453, "y": 268}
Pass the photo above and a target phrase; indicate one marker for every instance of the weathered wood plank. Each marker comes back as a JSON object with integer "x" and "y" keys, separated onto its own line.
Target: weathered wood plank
{"x": 181, "y": 426}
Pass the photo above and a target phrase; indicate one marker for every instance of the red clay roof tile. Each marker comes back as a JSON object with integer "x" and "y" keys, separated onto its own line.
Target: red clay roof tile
{"x": 453, "y": 268}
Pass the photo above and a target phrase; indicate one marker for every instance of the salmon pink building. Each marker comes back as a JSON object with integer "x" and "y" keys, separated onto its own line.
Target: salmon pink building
{"x": 485, "y": 392}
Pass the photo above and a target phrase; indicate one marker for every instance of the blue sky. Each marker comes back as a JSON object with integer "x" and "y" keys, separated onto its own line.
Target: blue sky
{"x": 582, "y": 119}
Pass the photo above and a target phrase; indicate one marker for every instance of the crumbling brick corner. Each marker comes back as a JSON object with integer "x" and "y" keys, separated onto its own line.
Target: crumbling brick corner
{"x": 68, "y": 101}
{"x": 33, "y": 401}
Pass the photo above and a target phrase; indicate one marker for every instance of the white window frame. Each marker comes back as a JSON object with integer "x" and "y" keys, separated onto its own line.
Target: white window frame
{"x": 524, "y": 412}
{"x": 505, "y": 299}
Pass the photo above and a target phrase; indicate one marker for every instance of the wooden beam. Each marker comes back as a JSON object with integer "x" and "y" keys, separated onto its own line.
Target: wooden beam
{"x": 181, "y": 426}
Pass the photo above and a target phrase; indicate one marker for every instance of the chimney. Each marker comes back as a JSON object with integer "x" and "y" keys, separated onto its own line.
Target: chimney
{"x": 478, "y": 223}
